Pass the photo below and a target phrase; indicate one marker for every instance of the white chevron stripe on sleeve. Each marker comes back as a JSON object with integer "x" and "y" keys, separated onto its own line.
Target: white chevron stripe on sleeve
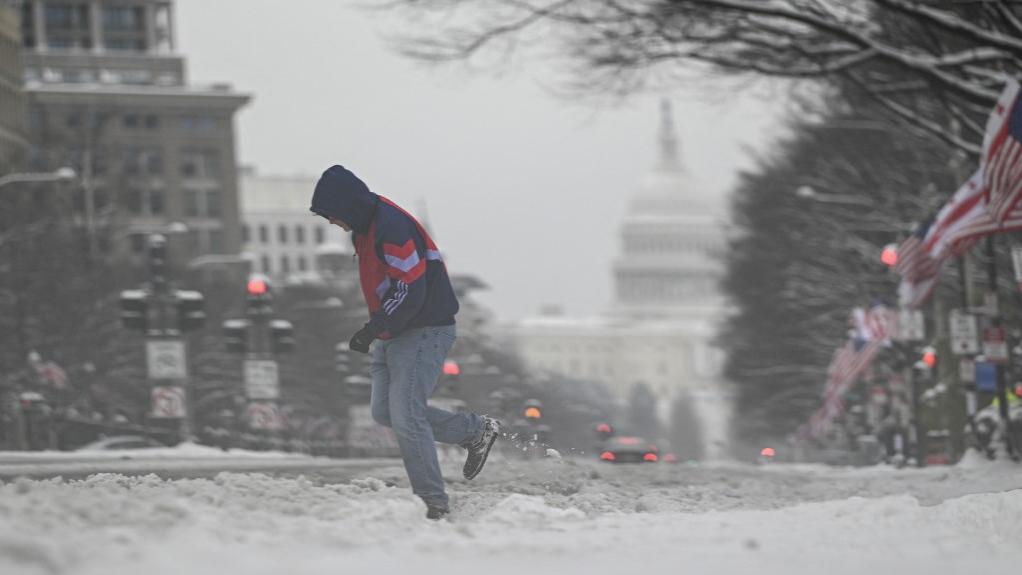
{"x": 403, "y": 264}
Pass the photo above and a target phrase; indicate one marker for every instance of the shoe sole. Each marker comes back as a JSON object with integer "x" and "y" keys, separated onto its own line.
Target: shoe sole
{"x": 486, "y": 455}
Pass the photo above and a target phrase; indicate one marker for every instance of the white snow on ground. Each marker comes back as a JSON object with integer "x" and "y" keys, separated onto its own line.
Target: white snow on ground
{"x": 180, "y": 451}
{"x": 555, "y": 516}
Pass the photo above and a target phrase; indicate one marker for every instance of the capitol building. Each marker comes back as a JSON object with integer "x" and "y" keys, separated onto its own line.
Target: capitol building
{"x": 667, "y": 307}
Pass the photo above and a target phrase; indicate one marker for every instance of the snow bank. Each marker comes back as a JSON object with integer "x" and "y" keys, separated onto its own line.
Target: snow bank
{"x": 180, "y": 451}
{"x": 527, "y": 518}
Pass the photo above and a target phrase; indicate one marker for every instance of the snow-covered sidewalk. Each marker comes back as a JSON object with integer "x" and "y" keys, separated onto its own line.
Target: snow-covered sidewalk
{"x": 539, "y": 517}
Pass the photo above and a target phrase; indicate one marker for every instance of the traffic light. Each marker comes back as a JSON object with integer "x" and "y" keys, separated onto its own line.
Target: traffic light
{"x": 451, "y": 368}
{"x": 533, "y": 410}
{"x": 929, "y": 357}
{"x": 604, "y": 431}
{"x": 282, "y": 336}
{"x": 157, "y": 245}
{"x": 260, "y": 297}
{"x": 135, "y": 309}
{"x": 889, "y": 255}
{"x": 236, "y": 335}
{"x": 190, "y": 314}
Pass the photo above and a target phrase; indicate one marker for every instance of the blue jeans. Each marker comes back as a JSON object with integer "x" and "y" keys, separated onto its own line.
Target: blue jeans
{"x": 405, "y": 371}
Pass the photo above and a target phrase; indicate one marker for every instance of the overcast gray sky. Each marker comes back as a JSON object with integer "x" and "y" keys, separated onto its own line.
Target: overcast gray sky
{"x": 524, "y": 189}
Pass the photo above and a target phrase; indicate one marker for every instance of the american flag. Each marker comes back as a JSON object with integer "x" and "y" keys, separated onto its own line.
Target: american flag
{"x": 913, "y": 261}
{"x": 952, "y": 231}
{"x": 873, "y": 329}
{"x": 1001, "y": 161}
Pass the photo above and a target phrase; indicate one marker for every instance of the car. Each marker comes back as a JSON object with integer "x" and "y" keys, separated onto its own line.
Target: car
{"x": 118, "y": 442}
{"x": 627, "y": 449}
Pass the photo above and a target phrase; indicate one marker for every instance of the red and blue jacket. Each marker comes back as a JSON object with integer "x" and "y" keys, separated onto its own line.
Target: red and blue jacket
{"x": 404, "y": 279}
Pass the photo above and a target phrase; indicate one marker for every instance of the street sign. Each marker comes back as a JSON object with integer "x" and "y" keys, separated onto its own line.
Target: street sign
{"x": 966, "y": 370}
{"x": 911, "y": 325}
{"x": 262, "y": 380}
{"x": 265, "y": 416}
{"x": 995, "y": 346}
{"x": 168, "y": 402}
{"x": 166, "y": 359}
{"x": 964, "y": 333}
{"x": 986, "y": 377}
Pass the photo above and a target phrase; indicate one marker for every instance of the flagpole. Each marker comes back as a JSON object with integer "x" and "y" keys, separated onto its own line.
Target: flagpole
{"x": 995, "y": 321}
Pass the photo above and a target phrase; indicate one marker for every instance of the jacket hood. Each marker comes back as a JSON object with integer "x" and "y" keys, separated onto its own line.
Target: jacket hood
{"x": 341, "y": 195}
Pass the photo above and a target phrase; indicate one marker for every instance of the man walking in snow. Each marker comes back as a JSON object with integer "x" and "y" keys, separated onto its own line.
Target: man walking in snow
{"x": 410, "y": 330}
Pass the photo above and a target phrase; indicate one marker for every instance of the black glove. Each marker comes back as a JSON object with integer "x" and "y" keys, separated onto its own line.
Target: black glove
{"x": 361, "y": 340}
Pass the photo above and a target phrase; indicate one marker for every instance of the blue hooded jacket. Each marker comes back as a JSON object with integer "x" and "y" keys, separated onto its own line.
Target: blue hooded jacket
{"x": 404, "y": 279}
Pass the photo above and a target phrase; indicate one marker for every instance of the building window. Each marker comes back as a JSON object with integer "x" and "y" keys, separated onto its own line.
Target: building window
{"x": 264, "y": 234}
{"x": 266, "y": 264}
{"x": 282, "y": 234}
{"x": 245, "y": 233}
{"x": 67, "y": 25}
{"x": 200, "y": 164}
{"x": 285, "y": 264}
{"x": 197, "y": 123}
{"x": 203, "y": 203}
{"x": 302, "y": 264}
{"x": 320, "y": 235}
{"x": 143, "y": 162}
{"x": 299, "y": 235}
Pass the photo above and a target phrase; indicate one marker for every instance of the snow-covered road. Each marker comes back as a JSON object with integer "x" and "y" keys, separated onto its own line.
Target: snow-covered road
{"x": 554, "y": 516}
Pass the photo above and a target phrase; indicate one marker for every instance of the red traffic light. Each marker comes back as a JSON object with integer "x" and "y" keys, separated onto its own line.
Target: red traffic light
{"x": 930, "y": 358}
{"x": 889, "y": 255}
{"x": 451, "y": 367}
{"x": 258, "y": 286}
{"x": 533, "y": 413}
{"x": 768, "y": 452}
{"x": 604, "y": 428}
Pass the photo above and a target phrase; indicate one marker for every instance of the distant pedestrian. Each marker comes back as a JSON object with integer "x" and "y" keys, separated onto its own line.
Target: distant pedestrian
{"x": 410, "y": 330}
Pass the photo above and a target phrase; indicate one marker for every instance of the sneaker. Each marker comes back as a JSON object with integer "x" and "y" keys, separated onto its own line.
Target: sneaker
{"x": 437, "y": 513}
{"x": 480, "y": 449}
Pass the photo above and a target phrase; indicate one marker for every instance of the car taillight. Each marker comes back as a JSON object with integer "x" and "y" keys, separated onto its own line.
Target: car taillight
{"x": 650, "y": 457}
{"x": 607, "y": 456}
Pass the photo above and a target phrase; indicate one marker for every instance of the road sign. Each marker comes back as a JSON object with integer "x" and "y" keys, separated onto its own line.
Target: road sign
{"x": 911, "y": 325}
{"x": 986, "y": 377}
{"x": 262, "y": 380}
{"x": 995, "y": 346}
{"x": 168, "y": 402}
{"x": 964, "y": 333}
{"x": 265, "y": 416}
{"x": 166, "y": 359}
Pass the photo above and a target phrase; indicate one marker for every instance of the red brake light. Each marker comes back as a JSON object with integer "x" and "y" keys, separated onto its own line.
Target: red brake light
{"x": 607, "y": 456}
{"x": 603, "y": 428}
{"x": 650, "y": 457}
{"x": 767, "y": 452}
